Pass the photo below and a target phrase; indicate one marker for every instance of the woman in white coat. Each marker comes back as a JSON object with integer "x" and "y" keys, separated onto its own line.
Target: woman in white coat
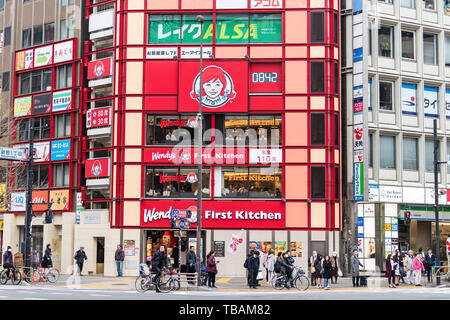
{"x": 271, "y": 259}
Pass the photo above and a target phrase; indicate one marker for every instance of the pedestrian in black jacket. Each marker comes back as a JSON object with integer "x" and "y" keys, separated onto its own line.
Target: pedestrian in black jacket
{"x": 8, "y": 262}
{"x": 47, "y": 258}
{"x": 430, "y": 259}
{"x": 191, "y": 259}
{"x": 318, "y": 264}
{"x": 327, "y": 270}
{"x": 246, "y": 266}
{"x": 159, "y": 261}
{"x": 253, "y": 268}
{"x": 80, "y": 256}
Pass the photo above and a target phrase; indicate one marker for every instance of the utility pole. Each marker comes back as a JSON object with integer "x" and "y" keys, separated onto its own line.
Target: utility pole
{"x": 28, "y": 213}
{"x": 436, "y": 196}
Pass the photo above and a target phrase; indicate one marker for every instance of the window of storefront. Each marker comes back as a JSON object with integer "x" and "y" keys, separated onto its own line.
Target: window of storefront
{"x": 248, "y": 182}
{"x": 61, "y": 175}
{"x": 175, "y": 182}
{"x": 317, "y": 182}
{"x": 36, "y": 81}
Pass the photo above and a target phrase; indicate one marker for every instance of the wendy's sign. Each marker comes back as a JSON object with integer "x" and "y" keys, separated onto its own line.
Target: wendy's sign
{"x": 223, "y": 87}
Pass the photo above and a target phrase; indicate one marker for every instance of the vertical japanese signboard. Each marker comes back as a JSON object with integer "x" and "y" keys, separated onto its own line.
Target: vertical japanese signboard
{"x": 359, "y": 101}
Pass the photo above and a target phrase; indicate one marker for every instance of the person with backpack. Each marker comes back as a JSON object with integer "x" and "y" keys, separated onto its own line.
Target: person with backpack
{"x": 246, "y": 266}
{"x": 271, "y": 260}
{"x": 253, "y": 268}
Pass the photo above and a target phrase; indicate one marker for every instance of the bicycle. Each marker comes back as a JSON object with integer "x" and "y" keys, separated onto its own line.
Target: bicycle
{"x": 300, "y": 281}
{"x": 170, "y": 284}
{"x": 14, "y": 274}
{"x": 144, "y": 281}
{"x": 50, "y": 275}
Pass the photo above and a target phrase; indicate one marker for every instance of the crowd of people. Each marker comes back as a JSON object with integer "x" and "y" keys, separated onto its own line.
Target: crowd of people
{"x": 323, "y": 270}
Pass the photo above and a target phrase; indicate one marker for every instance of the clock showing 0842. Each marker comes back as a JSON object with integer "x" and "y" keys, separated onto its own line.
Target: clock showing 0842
{"x": 265, "y": 77}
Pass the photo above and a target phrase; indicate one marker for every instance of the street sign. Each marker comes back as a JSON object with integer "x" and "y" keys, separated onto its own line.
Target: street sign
{"x": 179, "y": 214}
{"x": 12, "y": 154}
{"x": 181, "y": 224}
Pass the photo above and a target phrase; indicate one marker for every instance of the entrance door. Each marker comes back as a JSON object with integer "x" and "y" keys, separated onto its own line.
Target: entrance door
{"x": 100, "y": 260}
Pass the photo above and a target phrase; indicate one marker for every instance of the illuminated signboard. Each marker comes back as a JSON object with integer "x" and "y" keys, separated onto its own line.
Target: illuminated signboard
{"x": 265, "y": 77}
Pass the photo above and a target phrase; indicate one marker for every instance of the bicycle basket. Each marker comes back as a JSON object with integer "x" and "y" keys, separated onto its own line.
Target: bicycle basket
{"x": 144, "y": 270}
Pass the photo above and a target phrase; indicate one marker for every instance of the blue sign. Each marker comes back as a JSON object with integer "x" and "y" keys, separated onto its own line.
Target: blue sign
{"x": 360, "y": 222}
{"x": 357, "y": 5}
{"x": 60, "y": 150}
{"x": 394, "y": 227}
{"x": 357, "y": 54}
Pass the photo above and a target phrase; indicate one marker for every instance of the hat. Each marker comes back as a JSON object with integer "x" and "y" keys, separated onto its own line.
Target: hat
{"x": 81, "y": 247}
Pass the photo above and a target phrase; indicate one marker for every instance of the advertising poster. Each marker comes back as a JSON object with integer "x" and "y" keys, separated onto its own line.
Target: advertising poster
{"x": 3, "y": 200}
{"x": 193, "y": 243}
{"x": 296, "y": 249}
{"x": 100, "y": 68}
{"x": 299, "y": 249}
{"x": 409, "y": 98}
{"x": 224, "y": 86}
{"x": 29, "y": 57}
{"x": 128, "y": 247}
{"x": 37, "y": 198}
{"x": 99, "y": 117}
{"x": 97, "y": 168}
{"x": 62, "y": 100}
{"x": 41, "y": 150}
{"x": 149, "y": 249}
{"x": 60, "y": 150}
{"x": 254, "y": 245}
{"x": 20, "y": 60}
{"x": 22, "y": 107}
{"x": 280, "y": 246}
{"x": 63, "y": 51}
{"x": 18, "y": 201}
{"x": 266, "y": 246}
{"x": 369, "y": 246}
{"x": 43, "y": 56}
{"x": 42, "y": 103}
{"x": 431, "y": 101}
{"x": 60, "y": 199}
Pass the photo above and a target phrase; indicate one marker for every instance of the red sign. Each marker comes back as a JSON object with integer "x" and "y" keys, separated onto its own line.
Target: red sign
{"x": 265, "y": 77}
{"x": 217, "y": 214}
{"x": 178, "y": 155}
{"x": 100, "y": 117}
{"x": 100, "y": 68}
{"x": 97, "y": 168}
{"x": 39, "y": 197}
{"x": 224, "y": 86}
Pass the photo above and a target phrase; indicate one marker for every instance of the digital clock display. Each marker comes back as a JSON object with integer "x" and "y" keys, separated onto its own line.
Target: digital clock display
{"x": 265, "y": 77}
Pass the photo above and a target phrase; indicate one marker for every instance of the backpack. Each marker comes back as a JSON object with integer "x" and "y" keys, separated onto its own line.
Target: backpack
{"x": 246, "y": 263}
{"x": 277, "y": 266}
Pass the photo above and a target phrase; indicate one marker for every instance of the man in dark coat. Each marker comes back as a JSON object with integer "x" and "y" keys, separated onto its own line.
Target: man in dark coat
{"x": 119, "y": 256}
{"x": 429, "y": 263}
{"x": 253, "y": 268}
{"x": 80, "y": 256}
{"x": 47, "y": 258}
{"x": 8, "y": 261}
{"x": 191, "y": 259}
{"x": 159, "y": 261}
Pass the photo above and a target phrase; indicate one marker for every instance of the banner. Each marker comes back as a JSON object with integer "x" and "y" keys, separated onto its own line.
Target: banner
{"x": 42, "y": 103}
{"x": 22, "y": 107}
{"x": 99, "y": 68}
{"x": 409, "y": 98}
{"x": 43, "y": 56}
{"x": 41, "y": 150}
{"x": 266, "y": 4}
{"x": 24, "y": 60}
{"x": 189, "y": 155}
{"x": 431, "y": 101}
{"x": 60, "y": 199}
{"x": 62, "y": 100}
{"x": 60, "y": 150}
{"x": 63, "y": 51}
{"x": 100, "y": 117}
{"x": 39, "y": 197}
{"x": 224, "y": 87}
{"x": 3, "y": 199}
{"x": 18, "y": 201}
{"x": 97, "y": 168}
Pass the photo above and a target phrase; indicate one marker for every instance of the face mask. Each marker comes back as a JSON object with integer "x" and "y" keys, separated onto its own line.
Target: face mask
{"x": 9, "y": 250}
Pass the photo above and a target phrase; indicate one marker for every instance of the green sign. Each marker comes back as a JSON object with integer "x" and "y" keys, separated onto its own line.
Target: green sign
{"x": 22, "y": 107}
{"x": 255, "y": 28}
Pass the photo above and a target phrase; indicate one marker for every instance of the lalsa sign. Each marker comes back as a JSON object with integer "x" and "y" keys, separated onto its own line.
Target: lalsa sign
{"x": 217, "y": 214}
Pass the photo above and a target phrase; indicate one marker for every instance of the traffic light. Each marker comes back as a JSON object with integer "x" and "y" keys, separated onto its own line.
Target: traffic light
{"x": 48, "y": 216}
{"x": 407, "y": 217}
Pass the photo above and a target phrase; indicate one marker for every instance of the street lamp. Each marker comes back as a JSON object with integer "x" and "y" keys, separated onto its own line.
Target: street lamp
{"x": 201, "y": 20}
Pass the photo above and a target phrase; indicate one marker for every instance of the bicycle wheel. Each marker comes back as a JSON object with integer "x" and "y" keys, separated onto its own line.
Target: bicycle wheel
{"x": 278, "y": 283}
{"x": 3, "y": 277}
{"x": 302, "y": 283}
{"x": 18, "y": 278}
{"x": 176, "y": 284}
{"x": 165, "y": 286}
{"x": 52, "y": 275}
{"x": 140, "y": 284}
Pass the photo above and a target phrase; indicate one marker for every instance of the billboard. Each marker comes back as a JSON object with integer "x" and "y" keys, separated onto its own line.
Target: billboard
{"x": 62, "y": 100}
{"x": 99, "y": 68}
{"x": 38, "y": 197}
{"x": 100, "y": 117}
{"x": 224, "y": 87}
{"x": 22, "y": 107}
{"x": 63, "y": 51}
{"x": 18, "y": 201}
{"x": 41, "y": 150}
{"x": 60, "y": 150}
{"x": 43, "y": 56}
{"x": 97, "y": 168}
{"x": 60, "y": 199}
{"x": 42, "y": 103}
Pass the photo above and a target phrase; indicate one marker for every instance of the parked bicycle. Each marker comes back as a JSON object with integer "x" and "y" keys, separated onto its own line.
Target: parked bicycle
{"x": 46, "y": 275}
{"x": 300, "y": 281}
{"x": 14, "y": 275}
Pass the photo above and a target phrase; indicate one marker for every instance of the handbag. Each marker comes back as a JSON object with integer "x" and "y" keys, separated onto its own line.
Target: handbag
{"x": 259, "y": 277}
{"x": 313, "y": 270}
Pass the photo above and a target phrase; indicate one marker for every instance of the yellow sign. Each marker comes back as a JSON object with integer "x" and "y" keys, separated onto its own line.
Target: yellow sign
{"x": 387, "y": 227}
{"x": 20, "y": 60}
{"x": 1, "y": 225}
{"x": 60, "y": 199}
{"x": 3, "y": 197}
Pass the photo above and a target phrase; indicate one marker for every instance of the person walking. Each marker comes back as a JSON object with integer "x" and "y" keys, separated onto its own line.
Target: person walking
{"x": 119, "y": 256}
{"x": 271, "y": 259}
{"x": 430, "y": 260}
{"x": 418, "y": 269}
{"x": 8, "y": 262}
{"x": 318, "y": 265}
{"x": 265, "y": 258}
{"x": 409, "y": 265}
{"x": 80, "y": 257}
{"x": 311, "y": 261}
{"x": 327, "y": 269}
{"x": 211, "y": 269}
{"x": 191, "y": 259}
{"x": 159, "y": 261}
{"x": 354, "y": 268}
{"x": 253, "y": 267}
{"x": 47, "y": 258}
{"x": 401, "y": 267}
{"x": 334, "y": 267}
{"x": 388, "y": 273}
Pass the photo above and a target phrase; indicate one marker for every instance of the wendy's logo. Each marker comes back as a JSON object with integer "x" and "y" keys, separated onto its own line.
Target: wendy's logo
{"x": 217, "y": 87}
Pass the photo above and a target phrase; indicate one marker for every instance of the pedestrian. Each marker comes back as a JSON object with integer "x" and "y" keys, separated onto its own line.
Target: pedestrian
{"x": 327, "y": 270}
{"x": 290, "y": 261}
{"x": 47, "y": 258}
{"x": 395, "y": 267}
{"x": 285, "y": 267}
{"x": 253, "y": 267}
{"x": 119, "y": 256}
{"x": 354, "y": 267}
{"x": 80, "y": 257}
{"x": 388, "y": 273}
{"x": 418, "y": 268}
{"x": 211, "y": 269}
{"x": 159, "y": 261}
{"x": 246, "y": 266}
{"x": 318, "y": 265}
{"x": 8, "y": 262}
{"x": 311, "y": 266}
{"x": 409, "y": 265}
{"x": 265, "y": 259}
{"x": 191, "y": 259}
{"x": 334, "y": 267}
{"x": 401, "y": 267}
{"x": 271, "y": 259}
{"x": 430, "y": 259}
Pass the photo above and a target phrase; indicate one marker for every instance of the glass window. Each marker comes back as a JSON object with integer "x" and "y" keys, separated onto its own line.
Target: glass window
{"x": 2, "y": 5}
{"x": 66, "y": 29}
{"x": 264, "y": 182}
{"x": 61, "y": 175}
{"x": 408, "y": 44}
{"x": 235, "y": 182}
{"x": 49, "y": 32}
{"x": 336, "y": 130}
{"x": 36, "y": 81}
{"x": 386, "y": 41}
{"x": 164, "y": 28}
{"x": 336, "y": 78}
{"x": 317, "y": 26}
{"x": 43, "y": 123}
{"x": 40, "y": 176}
{"x": 317, "y": 129}
{"x": 264, "y": 130}
{"x": 336, "y": 183}
{"x": 428, "y": 4}
{"x": 23, "y": 129}
{"x": 448, "y": 155}
{"x": 410, "y": 154}
{"x": 26, "y": 38}
{"x": 336, "y": 28}
{"x": 386, "y": 1}
{"x": 429, "y": 155}
{"x": 5, "y": 81}
{"x": 62, "y": 125}
{"x": 47, "y": 79}
{"x": 25, "y": 84}
{"x": 430, "y": 46}
{"x": 447, "y": 50}
{"x": 64, "y": 76}
{"x": 387, "y": 152}
{"x": 370, "y": 150}
{"x": 408, "y": 3}
{"x": 386, "y": 95}
{"x": 317, "y": 182}
{"x": 317, "y": 82}
{"x": 37, "y": 35}
{"x": 7, "y": 37}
